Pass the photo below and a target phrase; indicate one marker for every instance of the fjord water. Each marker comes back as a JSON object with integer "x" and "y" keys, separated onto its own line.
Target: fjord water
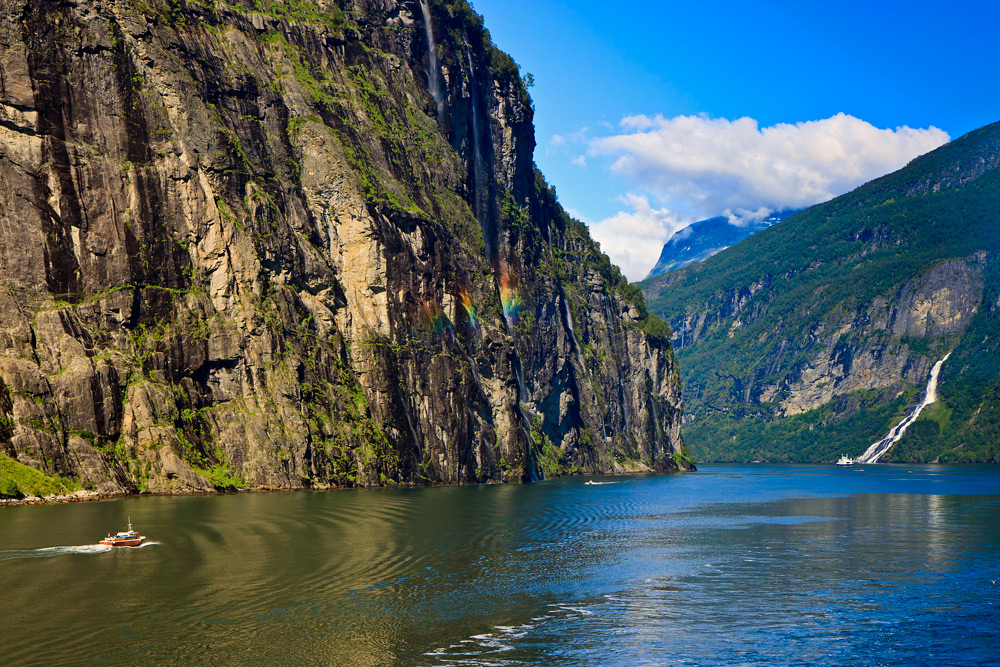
{"x": 730, "y": 565}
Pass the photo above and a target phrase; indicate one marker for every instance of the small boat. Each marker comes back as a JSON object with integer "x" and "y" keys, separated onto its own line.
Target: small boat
{"x": 845, "y": 461}
{"x": 128, "y": 538}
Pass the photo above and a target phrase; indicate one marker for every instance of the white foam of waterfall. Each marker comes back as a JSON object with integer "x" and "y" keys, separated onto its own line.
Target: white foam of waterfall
{"x": 477, "y": 153}
{"x": 572, "y": 334}
{"x": 534, "y": 474}
{"x": 625, "y": 413}
{"x": 878, "y": 449}
{"x": 522, "y": 393}
{"x": 434, "y": 84}
{"x": 626, "y": 416}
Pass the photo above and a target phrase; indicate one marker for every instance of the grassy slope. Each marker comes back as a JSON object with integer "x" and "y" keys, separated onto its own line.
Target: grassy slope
{"x": 824, "y": 262}
{"x": 18, "y": 480}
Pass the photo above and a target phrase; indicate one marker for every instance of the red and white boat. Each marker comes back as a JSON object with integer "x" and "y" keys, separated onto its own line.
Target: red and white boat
{"x": 128, "y": 538}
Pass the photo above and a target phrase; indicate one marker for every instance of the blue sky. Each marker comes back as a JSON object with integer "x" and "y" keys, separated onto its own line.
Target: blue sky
{"x": 882, "y": 65}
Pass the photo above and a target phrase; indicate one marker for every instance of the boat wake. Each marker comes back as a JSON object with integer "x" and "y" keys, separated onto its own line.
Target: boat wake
{"x": 485, "y": 649}
{"x": 593, "y": 483}
{"x": 49, "y": 552}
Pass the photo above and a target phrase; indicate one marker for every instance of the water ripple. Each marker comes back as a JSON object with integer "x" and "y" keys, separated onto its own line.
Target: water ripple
{"x": 734, "y": 565}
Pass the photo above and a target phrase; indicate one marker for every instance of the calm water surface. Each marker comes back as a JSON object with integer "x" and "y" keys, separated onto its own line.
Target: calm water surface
{"x": 741, "y": 565}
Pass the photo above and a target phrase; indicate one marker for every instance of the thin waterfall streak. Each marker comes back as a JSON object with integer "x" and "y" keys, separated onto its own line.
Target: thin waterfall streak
{"x": 485, "y": 221}
{"x": 434, "y": 72}
{"x": 534, "y": 475}
{"x": 879, "y": 449}
{"x": 477, "y": 153}
{"x": 625, "y": 413}
{"x": 572, "y": 333}
{"x": 656, "y": 420}
{"x": 519, "y": 376}
{"x": 611, "y": 330}
{"x": 484, "y": 183}
{"x": 475, "y": 372}
{"x": 522, "y": 394}
{"x": 413, "y": 432}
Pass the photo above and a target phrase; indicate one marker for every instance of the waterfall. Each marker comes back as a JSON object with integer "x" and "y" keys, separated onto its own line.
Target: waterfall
{"x": 656, "y": 419}
{"x": 534, "y": 474}
{"x": 572, "y": 334}
{"x": 626, "y": 416}
{"x": 878, "y": 450}
{"x": 484, "y": 184}
{"x": 434, "y": 86}
{"x": 477, "y": 153}
{"x": 413, "y": 431}
{"x": 474, "y": 371}
{"x": 625, "y": 413}
{"x": 485, "y": 217}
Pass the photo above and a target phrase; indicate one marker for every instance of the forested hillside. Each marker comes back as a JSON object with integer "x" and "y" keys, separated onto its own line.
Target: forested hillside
{"x": 812, "y": 337}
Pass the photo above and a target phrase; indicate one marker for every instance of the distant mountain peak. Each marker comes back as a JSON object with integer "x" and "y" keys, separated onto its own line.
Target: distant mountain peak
{"x": 700, "y": 240}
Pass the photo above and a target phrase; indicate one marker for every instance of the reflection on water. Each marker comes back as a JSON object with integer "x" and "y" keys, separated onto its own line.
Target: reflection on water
{"x": 731, "y": 565}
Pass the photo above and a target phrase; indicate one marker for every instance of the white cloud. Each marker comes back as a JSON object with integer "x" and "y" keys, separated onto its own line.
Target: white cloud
{"x": 634, "y": 239}
{"x": 711, "y": 164}
{"x": 699, "y": 167}
{"x": 580, "y": 136}
{"x": 580, "y": 161}
{"x": 564, "y": 143}
{"x": 741, "y": 216}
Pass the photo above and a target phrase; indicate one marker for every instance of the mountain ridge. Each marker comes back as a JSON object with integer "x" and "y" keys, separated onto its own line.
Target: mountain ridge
{"x": 700, "y": 240}
{"x": 810, "y": 338}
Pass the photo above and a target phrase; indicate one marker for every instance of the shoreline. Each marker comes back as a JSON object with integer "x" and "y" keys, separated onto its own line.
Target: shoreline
{"x": 80, "y": 496}
{"x": 83, "y": 496}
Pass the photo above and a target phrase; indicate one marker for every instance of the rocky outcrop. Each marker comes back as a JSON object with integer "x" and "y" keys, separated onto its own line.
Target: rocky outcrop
{"x": 877, "y": 347}
{"x": 869, "y": 352}
{"x": 239, "y": 246}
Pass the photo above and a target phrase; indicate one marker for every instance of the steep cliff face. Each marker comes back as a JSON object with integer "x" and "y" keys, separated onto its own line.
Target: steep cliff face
{"x": 243, "y": 245}
{"x": 868, "y": 349}
{"x": 809, "y": 339}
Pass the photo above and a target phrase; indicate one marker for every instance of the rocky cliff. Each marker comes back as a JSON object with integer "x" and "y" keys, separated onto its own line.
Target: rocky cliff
{"x": 283, "y": 244}
{"x": 811, "y": 338}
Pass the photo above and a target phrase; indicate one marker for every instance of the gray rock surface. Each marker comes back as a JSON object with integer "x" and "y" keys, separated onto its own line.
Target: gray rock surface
{"x": 238, "y": 249}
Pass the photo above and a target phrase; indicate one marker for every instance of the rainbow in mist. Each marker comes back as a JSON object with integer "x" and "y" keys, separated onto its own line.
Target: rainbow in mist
{"x": 438, "y": 321}
{"x": 470, "y": 310}
{"x": 510, "y": 297}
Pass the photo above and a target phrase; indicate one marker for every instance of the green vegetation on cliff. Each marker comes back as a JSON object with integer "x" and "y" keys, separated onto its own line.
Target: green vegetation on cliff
{"x": 18, "y": 480}
{"x": 964, "y": 425}
{"x": 249, "y": 248}
{"x": 797, "y": 343}
{"x": 656, "y": 330}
